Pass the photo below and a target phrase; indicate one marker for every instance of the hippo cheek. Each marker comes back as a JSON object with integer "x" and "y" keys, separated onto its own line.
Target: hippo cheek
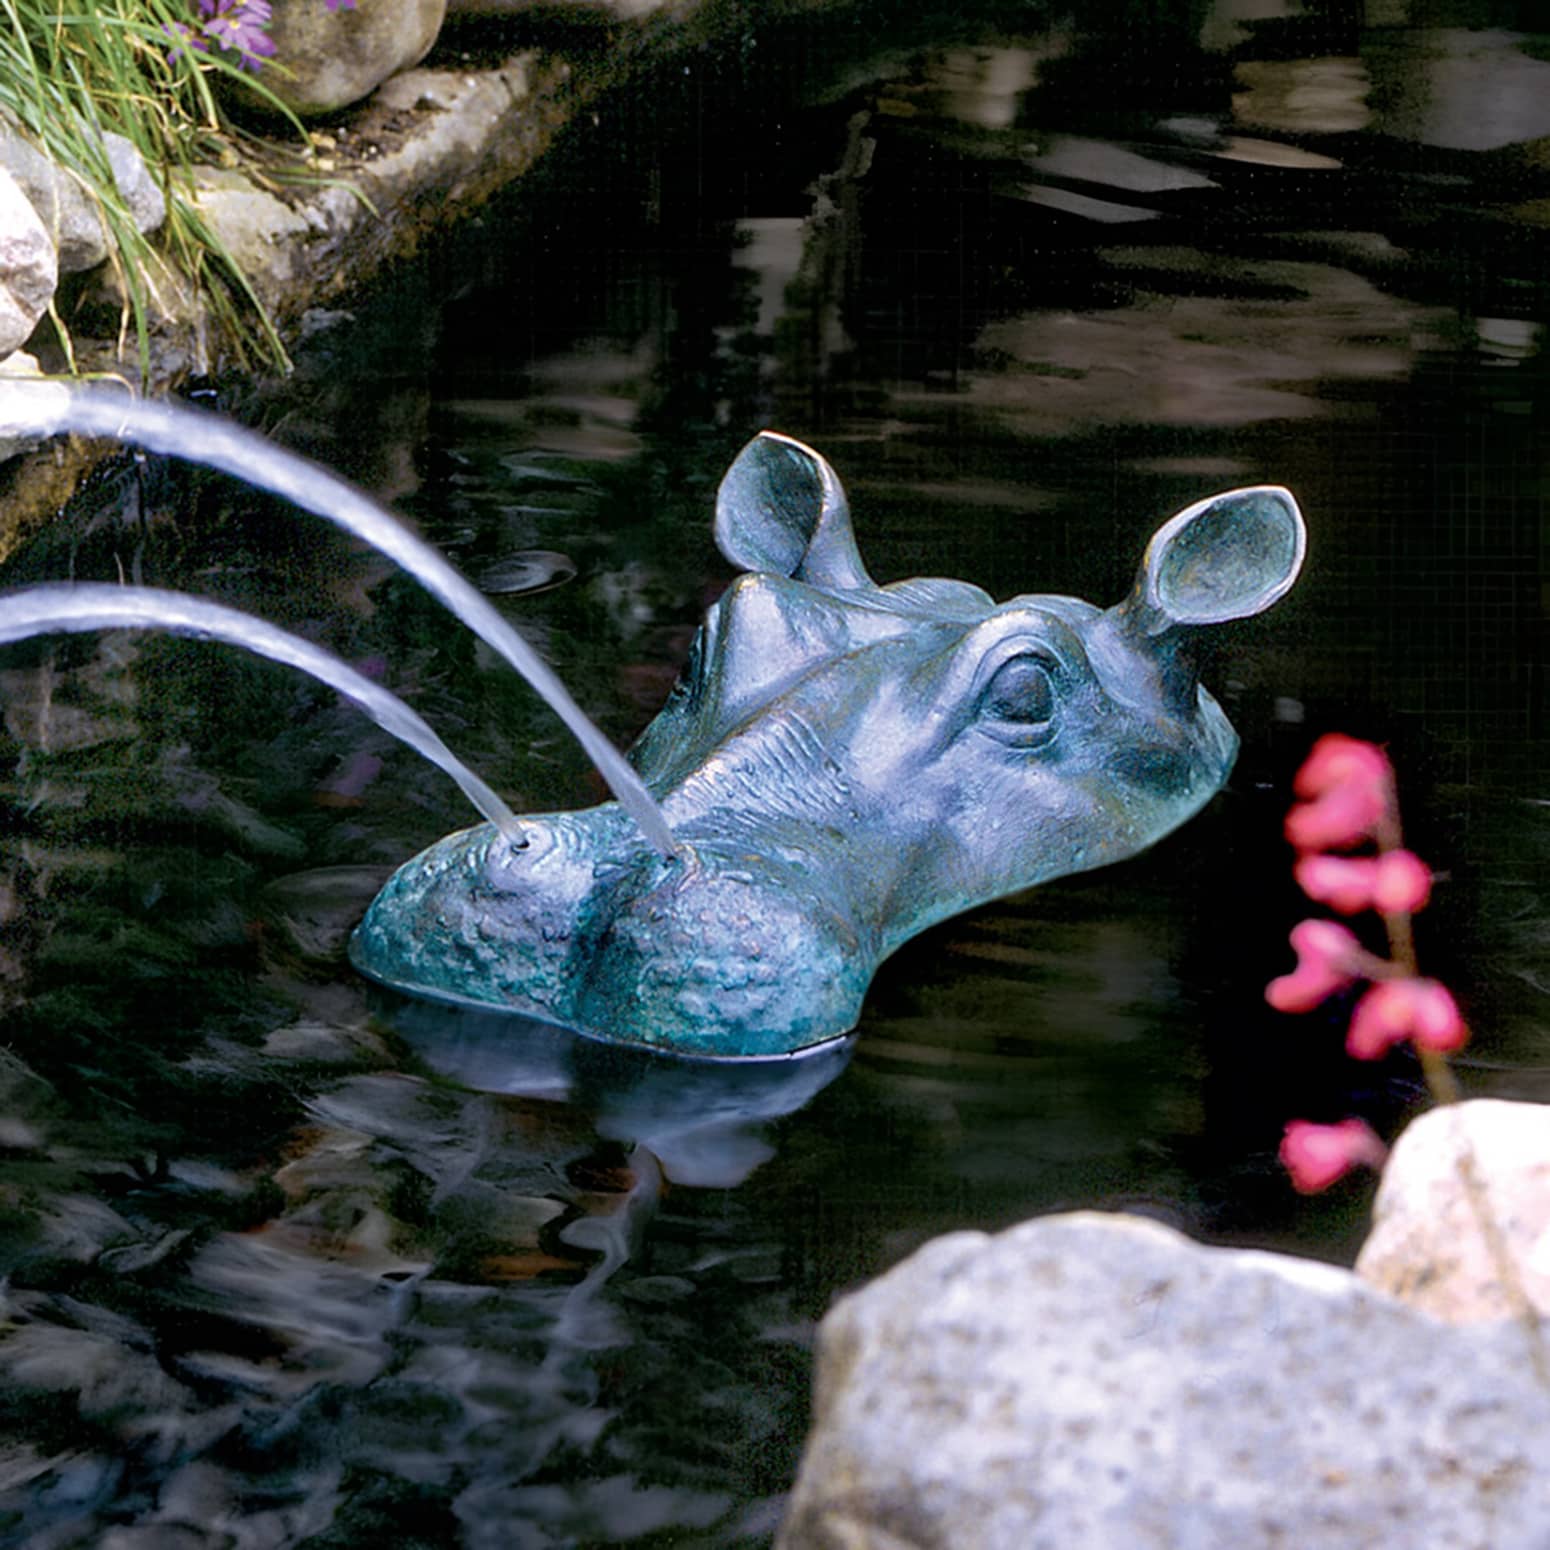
{"x": 1155, "y": 778}
{"x": 1165, "y": 772}
{"x": 707, "y": 962}
{"x": 1044, "y": 815}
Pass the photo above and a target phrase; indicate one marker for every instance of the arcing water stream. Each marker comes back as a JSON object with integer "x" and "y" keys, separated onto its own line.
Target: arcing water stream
{"x": 71, "y": 607}
{"x": 30, "y": 410}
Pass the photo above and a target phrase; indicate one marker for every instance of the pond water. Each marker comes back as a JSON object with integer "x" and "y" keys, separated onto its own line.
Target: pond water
{"x": 292, "y": 1262}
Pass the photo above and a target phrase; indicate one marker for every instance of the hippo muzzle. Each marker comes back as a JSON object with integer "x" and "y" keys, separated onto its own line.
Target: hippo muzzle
{"x": 842, "y": 764}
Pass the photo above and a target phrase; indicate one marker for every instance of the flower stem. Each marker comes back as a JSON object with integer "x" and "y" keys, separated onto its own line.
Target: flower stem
{"x": 1434, "y": 1065}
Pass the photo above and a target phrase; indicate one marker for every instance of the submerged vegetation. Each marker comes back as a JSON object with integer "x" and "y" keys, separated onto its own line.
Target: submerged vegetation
{"x": 132, "y": 67}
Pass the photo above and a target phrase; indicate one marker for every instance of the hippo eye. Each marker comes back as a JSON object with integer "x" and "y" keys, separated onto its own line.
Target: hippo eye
{"x": 1018, "y": 704}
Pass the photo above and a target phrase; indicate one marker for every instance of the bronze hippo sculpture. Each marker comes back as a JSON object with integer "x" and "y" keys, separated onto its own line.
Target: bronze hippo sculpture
{"x": 841, "y": 764}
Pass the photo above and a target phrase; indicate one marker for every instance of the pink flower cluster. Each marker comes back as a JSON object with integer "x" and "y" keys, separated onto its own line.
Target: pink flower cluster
{"x": 1347, "y": 800}
{"x": 1317, "y": 1155}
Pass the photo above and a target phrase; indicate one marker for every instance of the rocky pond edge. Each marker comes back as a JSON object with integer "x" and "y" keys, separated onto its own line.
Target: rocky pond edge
{"x": 425, "y": 151}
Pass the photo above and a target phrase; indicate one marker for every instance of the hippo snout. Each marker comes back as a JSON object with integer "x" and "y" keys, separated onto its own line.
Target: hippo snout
{"x": 586, "y": 926}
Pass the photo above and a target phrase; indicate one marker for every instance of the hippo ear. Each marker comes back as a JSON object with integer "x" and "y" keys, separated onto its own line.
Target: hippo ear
{"x": 781, "y": 509}
{"x": 1226, "y": 557}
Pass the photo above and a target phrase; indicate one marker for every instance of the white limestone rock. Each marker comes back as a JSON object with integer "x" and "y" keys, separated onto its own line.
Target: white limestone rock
{"x": 1427, "y": 1244}
{"x": 1084, "y": 1382}
{"x": 265, "y": 236}
{"x": 69, "y": 217}
{"x": 29, "y": 270}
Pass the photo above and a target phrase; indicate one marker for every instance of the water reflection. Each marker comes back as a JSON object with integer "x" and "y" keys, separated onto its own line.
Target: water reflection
{"x": 980, "y": 86}
{"x": 1303, "y": 96}
{"x": 1231, "y": 23}
{"x": 1098, "y": 161}
{"x": 1270, "y": 348}
{"x": 700, "y": 1118}
{"x": 1461, "y": 89}
{"x": 528, "y": 570}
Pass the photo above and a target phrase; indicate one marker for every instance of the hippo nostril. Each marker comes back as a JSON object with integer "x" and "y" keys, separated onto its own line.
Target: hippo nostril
{"x": 538, "y": 839}
{"x": 683, "y": 867}
{"x": 510, "y": 858}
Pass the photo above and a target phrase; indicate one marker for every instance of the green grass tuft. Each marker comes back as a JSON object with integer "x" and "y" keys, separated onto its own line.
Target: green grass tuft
{"x": 69, "y": 77}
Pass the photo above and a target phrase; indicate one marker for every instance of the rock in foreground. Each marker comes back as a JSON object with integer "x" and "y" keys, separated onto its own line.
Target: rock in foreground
{"x": 1428, "y": 1245}
{"x": 1092, "y": 1381}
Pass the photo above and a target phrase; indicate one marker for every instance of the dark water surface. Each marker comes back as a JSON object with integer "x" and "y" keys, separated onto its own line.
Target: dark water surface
{"x": 293, "y": 1263}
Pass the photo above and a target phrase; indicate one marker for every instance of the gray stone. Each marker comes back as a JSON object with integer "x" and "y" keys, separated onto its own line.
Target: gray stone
{"x": 1100, "y": 1381}
{"x": 297, "y": 251}
{"x": 70, "y": 218}
{"x": 338, "y": 57}
{"x": 467, "y": 134}
{"x": 72, "y": 215}
{"x": 147, "y": 204}
{"x": 29, "y": 270}
{"x": 1428, "y": 1244}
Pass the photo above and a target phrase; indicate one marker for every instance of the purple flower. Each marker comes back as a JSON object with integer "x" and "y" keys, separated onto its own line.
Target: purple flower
{"x": 185, "y": 41}
{"x": 240, "y": 25}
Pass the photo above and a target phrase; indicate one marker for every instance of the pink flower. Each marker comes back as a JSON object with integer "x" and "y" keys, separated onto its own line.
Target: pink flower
{"x": 1422, "y": 1010}
{"x": 1328, "y": 958}
{"x": 1347, "y": 786}
{"x": 1344, "y": 883}
{"x": 1316, "y": 1155}
{"x": 1403, "y": 883}
{"x": 1345, "y": 816}
{"x": 1336, "y": 761}
{"x": 1395, "y": 883}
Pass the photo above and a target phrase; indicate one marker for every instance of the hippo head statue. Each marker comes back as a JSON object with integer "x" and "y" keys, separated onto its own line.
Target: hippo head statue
{"x": 842, "y": 764}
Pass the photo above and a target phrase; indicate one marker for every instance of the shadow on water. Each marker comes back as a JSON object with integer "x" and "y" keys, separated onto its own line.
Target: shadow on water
{"x": 292, "y": 1263}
